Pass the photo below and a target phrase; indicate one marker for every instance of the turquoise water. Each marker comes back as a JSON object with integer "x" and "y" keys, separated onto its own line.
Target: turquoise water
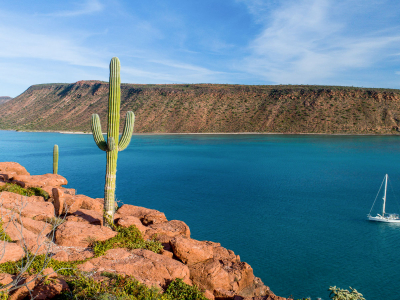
{"x": 293, "y": 207}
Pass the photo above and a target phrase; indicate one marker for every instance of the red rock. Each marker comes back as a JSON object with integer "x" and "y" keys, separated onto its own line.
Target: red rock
{"x": 61, "y": 256}
{"x": 37, "y": 227}
{"x": 6, "y": 278}
{"x": 17, "y": 232}
{"x": 50, "y": 286}
{"x": 82, "y": 255}
{"x": 25, "y": 238}
{"x": 81, "y": 235}
{"x": 146, "y": 266}
{"x": 191, "y": 251}
{"x": 222, "y": 276}
{"x": 10, "y": 252}
{"x": 12, "y": 167}
{"x": 96, "y": 204}
{"x": 64, "y": 203}
{"x": 86, "y": 216}
{"x": 41, "y": 180}
{"x": 171, "y": 228}
{"x": 209, "y": 295}
{"x": 49, "y": 190}
{"x": 50, "y": 290}
{"x": 23, "y": 291}
{"x": 167, "y": 253}
{"x": 38, "y": 210}
{"x": 126, "y": 221}
{"x": 13, "y": 198}
{"x": 147, "y": 216}
{"x": 2, "y": 183}
{"x": 27, "y": 206}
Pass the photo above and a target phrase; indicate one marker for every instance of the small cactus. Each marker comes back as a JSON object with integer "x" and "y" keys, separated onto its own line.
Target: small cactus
{"x": 55, "y": 159}
{"x": 113, "y": 144}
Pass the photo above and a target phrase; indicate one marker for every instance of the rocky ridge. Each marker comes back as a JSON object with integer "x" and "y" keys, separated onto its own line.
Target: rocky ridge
{"x": 217, "y": 271}
{"x": 4, "y": 99}
{"x": 208, "y": 108}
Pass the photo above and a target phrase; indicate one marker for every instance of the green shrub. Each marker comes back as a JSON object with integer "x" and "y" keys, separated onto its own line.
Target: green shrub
{"x": 3, "y": 235}
{"x": 118, "y": 287}
{"x": 130, "y": 238}
{"x": 339, "y": 294}
{"x": 38, "y": 264}
{"x": 32, "y": 191}
{"x": 178, "y": 290}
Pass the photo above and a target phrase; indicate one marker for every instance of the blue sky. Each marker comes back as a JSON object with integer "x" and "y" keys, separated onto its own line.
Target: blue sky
{"x": 327, "y": 42}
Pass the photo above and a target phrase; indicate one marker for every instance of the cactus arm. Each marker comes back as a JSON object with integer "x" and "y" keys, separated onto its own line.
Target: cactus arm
{"x": 128, "y": 130}
{"x": 55, "y": 159}
{"x": 97, "y": 134}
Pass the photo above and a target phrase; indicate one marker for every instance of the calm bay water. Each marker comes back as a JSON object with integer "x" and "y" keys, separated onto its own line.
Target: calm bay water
{"x": 293, "y": 207}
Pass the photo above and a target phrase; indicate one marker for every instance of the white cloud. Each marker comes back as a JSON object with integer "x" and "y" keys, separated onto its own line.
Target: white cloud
{"x": 20, "y": 43}
{"x": 86, "y": 8}
{"x": 302, "y": 43}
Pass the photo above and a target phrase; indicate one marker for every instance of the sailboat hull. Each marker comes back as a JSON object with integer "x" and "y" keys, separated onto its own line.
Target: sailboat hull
{"x": 385, "y": 220}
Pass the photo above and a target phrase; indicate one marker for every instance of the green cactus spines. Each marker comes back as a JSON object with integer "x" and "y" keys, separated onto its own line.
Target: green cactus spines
{"x": 55, "y": 159}
{"x": 113, "y": 143}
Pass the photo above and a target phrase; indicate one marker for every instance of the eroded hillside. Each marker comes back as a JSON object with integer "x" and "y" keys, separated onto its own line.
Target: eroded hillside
{"x": 204, "y": 108}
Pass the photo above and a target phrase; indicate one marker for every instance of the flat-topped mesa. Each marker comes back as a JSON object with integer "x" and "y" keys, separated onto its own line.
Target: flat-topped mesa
{"x": 215, "y": 270}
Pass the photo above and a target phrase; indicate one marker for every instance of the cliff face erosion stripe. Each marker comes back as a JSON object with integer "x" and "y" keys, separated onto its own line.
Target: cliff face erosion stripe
{"x": 208, "y": 108}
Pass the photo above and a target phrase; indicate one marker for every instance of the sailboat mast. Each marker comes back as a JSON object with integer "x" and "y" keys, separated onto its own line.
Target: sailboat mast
{"x": 384, "y": 196}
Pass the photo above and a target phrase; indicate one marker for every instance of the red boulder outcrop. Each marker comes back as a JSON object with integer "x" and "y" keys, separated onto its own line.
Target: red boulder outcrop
{"x": 81, "y": 234}
{"x": 147, "y": 267}
{"x": 13, "y": 168}
{"x": 147, "y": 216}
{"x": 10, "y": 252}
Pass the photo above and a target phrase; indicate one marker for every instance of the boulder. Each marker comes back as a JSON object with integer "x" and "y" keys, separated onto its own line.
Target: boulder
{"x": 88, "y": 203}
{"x": 50, "y": 286}
{"x": 209, "y": 295}
{"x": 126, "y": 221}
{"x": 41, "y": 180}
{"x": 191, "y": 251}
{"x": 81, "y": 255}
{"x": 81, "y": 234}
{"x": 38, "y": 227}
{"x": 146, "y": 266}
{"x": 12, "y": 167}
{"x": 27, "y": 206}
{"x": 6, "y": 278}
{"x": 86, "y": 216}
{"x": 10, "y": 252}
{"x": 9, "y": 199}
{"x": 223, "y": 277}
{"x": 147, "y": 216}
{"x": 171, "y": 229}
{"x": 65, "y": 203}
{"x": 23, "y": 291}
{"x": 61, "y": 256}
{"x": 17, "y": 232}
{"x": 50, "y": 289}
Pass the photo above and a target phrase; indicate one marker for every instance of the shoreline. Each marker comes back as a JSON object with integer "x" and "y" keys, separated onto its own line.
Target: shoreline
{"x": 216, "y": 133}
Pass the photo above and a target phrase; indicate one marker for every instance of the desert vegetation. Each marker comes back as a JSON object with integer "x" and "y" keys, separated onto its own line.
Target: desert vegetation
{"x": 202, "y": 108}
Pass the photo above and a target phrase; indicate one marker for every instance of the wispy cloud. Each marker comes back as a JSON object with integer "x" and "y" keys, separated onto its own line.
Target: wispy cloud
{"x": 86, "y": 8}
{"x": 302, "y": 43}
{"x": 20, "y": 43}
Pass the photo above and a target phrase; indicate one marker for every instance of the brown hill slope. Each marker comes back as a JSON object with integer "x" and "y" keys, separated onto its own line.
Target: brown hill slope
{"x": 4, "y": 99}
{"x": 208, "y": 108}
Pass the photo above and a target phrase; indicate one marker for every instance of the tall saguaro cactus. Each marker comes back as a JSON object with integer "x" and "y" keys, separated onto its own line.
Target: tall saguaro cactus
{"x": 55, "y": 159}
{"x": 113, "y": 144}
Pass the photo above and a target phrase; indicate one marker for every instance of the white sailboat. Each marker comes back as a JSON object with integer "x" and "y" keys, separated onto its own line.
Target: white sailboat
{"x": 385, "y": 217}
